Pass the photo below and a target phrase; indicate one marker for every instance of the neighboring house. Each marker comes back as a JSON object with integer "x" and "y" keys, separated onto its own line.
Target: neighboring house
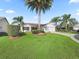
{"x": 50, "y": 27}
{"x": 76, "y": 27}
{"x": 28, "y": 27}
{"x": 3, "y": 24}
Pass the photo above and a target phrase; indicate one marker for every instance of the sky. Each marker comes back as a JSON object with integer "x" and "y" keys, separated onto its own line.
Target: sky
{"x": 14, "y": 8}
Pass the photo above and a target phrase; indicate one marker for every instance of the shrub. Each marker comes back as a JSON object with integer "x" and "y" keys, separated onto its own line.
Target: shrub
{"x": 13, "y": 30}
{"x": 63, "y": 29}
{"x": 37, "y": 31}
{"x": 3, "y": 34}
{"x": 22, "y": 34}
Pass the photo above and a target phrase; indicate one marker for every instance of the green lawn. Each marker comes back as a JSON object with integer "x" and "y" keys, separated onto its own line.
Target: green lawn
{"x": 49, "y": 46}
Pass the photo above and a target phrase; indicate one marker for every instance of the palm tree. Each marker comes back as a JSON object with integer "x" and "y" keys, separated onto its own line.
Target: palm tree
{"x": 39, "y": 6}
{"x": 67, "y": 21}
{"x": 19, "y": 21}
{"x": 73, "y": 21}
{"x": 55, "y": 19}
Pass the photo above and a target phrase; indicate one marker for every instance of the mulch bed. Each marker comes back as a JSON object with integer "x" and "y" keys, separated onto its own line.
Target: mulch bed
{"x": 41, "y": 34}
{"x": 14, "y": 38}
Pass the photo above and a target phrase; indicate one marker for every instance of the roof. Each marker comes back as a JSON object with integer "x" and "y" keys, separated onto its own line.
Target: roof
{"x": 4, "y": 18}
{"x": 33, "y": 24}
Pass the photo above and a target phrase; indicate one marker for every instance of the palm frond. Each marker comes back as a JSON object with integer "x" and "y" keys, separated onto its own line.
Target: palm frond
{"x": 37, "y": 5}
{"x": 14, "y": 22}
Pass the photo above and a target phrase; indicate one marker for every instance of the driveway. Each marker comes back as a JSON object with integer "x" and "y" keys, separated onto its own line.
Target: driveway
{"x": 72, "y": 36}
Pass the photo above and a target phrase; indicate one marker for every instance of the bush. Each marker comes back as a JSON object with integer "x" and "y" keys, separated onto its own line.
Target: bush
{"x": 37, "y": 31}
{"x": 3, "y": 34}
{"x": 22, "y": 34}
{"x": 13, "y": 30}
{"x": 63, "y": 29}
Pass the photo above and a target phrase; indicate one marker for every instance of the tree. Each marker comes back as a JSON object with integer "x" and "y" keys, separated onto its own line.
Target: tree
{"x": 19, "y": 21}
{"x": 67, "y": 21}
{"x": 39, "y": 6}
{"x": 73, "y": 21}
{"x": 56, "y": 19}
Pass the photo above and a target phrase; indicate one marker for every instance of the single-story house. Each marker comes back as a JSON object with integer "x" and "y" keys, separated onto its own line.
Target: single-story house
{"x": 28, "y": 27}
{"x": 76, "y": 27}
{"x": 50, "y": 27}
{"x": 3, "y": 24}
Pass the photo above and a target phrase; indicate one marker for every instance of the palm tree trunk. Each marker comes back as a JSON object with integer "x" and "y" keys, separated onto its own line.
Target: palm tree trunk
{"x": 21, "y": 27}
{"x": 39, "y": 20}
{"x": 66, "y": 28}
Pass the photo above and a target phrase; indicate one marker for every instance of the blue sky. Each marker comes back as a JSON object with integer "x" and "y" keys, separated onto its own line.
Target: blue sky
{"x": 13, "y": 8}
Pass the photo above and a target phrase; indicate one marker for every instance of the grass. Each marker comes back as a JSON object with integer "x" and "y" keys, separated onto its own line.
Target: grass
{"x": 49, "y": 46}
{"x": 73, "y": 32}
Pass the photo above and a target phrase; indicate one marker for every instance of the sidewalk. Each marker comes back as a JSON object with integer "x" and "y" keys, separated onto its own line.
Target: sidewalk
{"x": 69, "y": 35}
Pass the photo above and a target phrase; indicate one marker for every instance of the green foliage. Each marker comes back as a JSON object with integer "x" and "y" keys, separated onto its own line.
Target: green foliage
{"x": 39, "y": 5}
{"x": 66, "y": 23}
{"x": 59, "y": 29}
{"x": 19, "y": 20}
{"x": 13, "y": 30}
{"x": 56, "y": 19}
{"x": 37, "y": 31}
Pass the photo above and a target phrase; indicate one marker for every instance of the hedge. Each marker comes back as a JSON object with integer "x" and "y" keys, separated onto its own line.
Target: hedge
{"x": 37, "y": 31}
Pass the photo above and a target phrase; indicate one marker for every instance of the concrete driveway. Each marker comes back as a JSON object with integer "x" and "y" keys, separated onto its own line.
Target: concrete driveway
{"x": 72, "y": 36}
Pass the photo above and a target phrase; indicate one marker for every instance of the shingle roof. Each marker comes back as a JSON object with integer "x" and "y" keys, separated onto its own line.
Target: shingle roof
{"x": 3, "y": 19}
{"x": 33, "y": 24}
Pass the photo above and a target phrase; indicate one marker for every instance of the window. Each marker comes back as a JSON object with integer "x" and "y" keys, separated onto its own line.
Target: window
{"x": 26, "y": 28}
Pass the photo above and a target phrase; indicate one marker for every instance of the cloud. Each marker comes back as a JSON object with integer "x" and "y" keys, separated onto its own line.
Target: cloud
{"x": 74, "y": 1}
{"x": 1, "y": 9}
{"x": 9, "y": 11}
{"x": 77, "y": 13}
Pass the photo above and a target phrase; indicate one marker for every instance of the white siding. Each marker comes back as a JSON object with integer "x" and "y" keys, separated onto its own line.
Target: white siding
{"x": 3, "y": 25}
{"x": 27, "y": 26}
{"x": 50, "y": 27}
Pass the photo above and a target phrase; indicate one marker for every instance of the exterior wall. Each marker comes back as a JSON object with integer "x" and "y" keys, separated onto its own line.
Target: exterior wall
{"x": 27, "y": 26}
{"x": 50, "y": 27}
{"x": 76, "y": 27}
{"x": 3, "y": 25}
{"x": 47, "y": 28}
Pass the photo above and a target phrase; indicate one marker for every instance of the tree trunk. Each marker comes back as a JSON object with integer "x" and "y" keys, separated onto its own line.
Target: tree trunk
{"x": 39, "y": 20}
{"x": 66, "y": 27}
{"x": 21, "y": 29}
